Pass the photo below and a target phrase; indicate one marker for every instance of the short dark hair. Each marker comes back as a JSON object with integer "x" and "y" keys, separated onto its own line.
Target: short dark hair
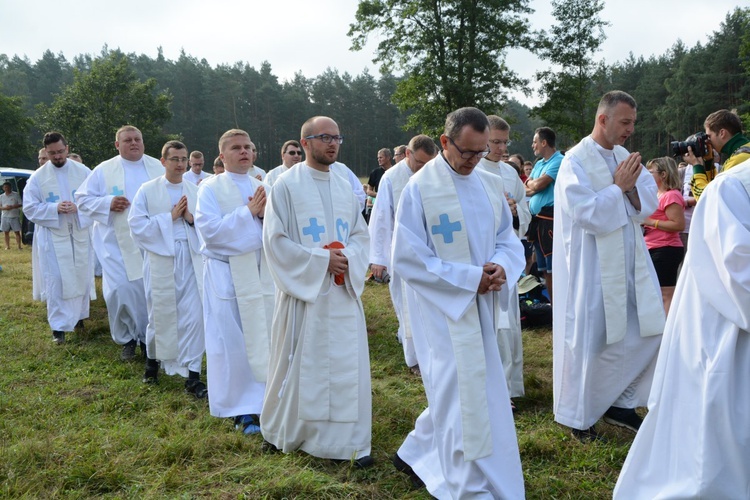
{"x": 171, "y": 145}
{"x": 546, "y": 134}
{"x": 723, "y": 119}
{"x": 218, "y": 162}
{"x": 423, "y": 143}
{"x": 289, "y": 143}
{"x": 53, "y": 137}
{"x": 460, "y": 118}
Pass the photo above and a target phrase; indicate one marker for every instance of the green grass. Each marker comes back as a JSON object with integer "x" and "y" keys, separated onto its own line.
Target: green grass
{"x": 76, "y": 422}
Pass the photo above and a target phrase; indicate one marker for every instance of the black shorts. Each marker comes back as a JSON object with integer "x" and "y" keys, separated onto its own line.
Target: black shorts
{"x": 666, "y": 262}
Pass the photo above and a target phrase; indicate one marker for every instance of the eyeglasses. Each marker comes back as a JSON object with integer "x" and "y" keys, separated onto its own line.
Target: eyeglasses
{"x": 327, "y": 138}
{"x": 294, "y": 153}
{"x": 468, "y": 155}
{"x": 499, "y": 141}
{"x": 175, "y": 159}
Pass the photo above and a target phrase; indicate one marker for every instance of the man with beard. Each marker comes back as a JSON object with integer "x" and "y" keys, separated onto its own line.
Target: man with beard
{"x": 105, "y": 197}
{"x": 63, "y": 257}
{"x": 318, "y": 398}
{"x": 607, "y": 314}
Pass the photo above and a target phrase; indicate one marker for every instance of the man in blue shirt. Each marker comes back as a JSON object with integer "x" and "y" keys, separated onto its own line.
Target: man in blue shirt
{"x": 540, "y": 189}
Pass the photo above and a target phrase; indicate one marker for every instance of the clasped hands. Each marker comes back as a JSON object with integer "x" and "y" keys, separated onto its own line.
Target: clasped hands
{"x": 181, "y": 210}
{"x": 66, "y": 207}
{"x": 493, "y": 278}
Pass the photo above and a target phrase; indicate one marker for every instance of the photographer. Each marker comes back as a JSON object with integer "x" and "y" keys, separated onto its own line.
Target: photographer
{"x": 724, "y": 131}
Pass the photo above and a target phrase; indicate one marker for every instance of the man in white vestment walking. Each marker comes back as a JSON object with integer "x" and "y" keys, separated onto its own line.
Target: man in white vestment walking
{"x": 256, "y": 171}
{"x": 509, "y": 333}
{"x": 195, "y": 173}
{"x": 318, "y": 398}
{"x": 105, "y": 197}
{"x": 695, "y": 441}
{"x": 421, "y": 149}
{"x": 291, "y": 153}
{"x": 238, "y": 290}
{"x": 607, "y": 313}
{"x": 63, "y": 258}
{"x": 455, "y": 249}
{"x": 162, "y": 225}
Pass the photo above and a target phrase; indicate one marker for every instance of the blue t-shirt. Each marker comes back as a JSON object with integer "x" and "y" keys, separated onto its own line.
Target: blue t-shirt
{"x": 545, "y": 198}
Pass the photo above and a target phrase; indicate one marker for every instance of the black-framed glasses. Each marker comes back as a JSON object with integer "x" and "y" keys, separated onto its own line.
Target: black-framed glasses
{"x": 294, "y": 153}
{"x": 327, "y": 138}
{"x": 468, "y": 155}
{"x": 500, "y": 141}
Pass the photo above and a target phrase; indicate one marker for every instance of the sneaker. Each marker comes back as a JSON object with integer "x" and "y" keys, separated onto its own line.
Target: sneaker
{"x": 623, "y": 417}
{"x": 58, "y": 337}
{"x": 248, "y": 424}
{"x": 268, "y": 447}
{"x": 402, "y": 466}
{"x": 587, "y": 435}
{"x": 128, "y": 351}
{"x": 415, "y": 370}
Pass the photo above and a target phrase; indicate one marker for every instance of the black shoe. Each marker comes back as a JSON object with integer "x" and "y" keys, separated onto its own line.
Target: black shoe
{"x": 143, "y": 351}
{"x": 58, "y": 337}
{"x": 196, "y": 388}
{"x": 152, "y": 372}
{"x": 128, "y": 351}
{"x": 402, "y": 466}
{"x": 623, "y": 417}
{"x": 363, "y": 462}
{"x": 587, "y": 435}
{"x": 268, "y": 447}
{"x": 79, "y": 326}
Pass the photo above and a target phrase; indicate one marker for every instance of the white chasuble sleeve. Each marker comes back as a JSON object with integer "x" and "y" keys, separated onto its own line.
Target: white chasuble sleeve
{"x": 234, "y": 233}
{"x": 152, "y": 233}
{"x": 381, "y": 225}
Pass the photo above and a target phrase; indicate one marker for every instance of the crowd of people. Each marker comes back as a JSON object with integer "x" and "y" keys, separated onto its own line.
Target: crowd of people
{"x": 264, "y": 273}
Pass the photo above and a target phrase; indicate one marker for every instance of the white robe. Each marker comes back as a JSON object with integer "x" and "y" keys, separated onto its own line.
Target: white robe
{"x": 382, "y": 220}
{"x": 233, "y": 387}
{"x": 257, "y": 171}
{"x": 509, "y": 339}
{"x": 275, "y": 173}
{"x": 196, "y": 179}
{"x": 164, "y": 240}
{"x": 64, "y": 308}
{"x": 354, "y": 182}
{"x": 318, "y": 398}
{"x": 695, "y": 440}
{"x": 590, "y": 375}
{"x": 125, "y": 298}
{"x": 438, "y": 293}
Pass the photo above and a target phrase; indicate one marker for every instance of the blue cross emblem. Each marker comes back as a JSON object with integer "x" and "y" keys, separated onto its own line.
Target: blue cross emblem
{"x": 446, "y": 228}
{"x": 52, "y": 197}
{"x": 116, "y": 191}
{"x": 314, "y": 229}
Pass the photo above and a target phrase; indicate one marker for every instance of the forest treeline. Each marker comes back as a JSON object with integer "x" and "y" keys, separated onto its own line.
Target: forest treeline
{"x": 192, "y": 100}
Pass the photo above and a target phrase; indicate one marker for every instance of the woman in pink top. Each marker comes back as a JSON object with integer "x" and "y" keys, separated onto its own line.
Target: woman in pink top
{"x": 665, "y": 224}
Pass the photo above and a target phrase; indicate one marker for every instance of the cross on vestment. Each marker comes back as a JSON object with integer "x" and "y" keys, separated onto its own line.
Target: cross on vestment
{"x": 116, "y": 191}
{"x": 314, "y": 229}
{"x": 446, "y": 228}
{"x": 52, "y": 197}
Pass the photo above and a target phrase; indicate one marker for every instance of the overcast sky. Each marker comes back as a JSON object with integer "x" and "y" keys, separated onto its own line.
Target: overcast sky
{"x": 303, "y": 35}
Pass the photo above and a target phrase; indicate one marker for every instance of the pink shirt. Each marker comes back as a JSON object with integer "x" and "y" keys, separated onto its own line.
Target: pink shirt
{"x": 657, "y": 238}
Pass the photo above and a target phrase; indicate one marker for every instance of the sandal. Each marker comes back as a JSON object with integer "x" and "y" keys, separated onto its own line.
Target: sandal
{"x": 196, "y": 388}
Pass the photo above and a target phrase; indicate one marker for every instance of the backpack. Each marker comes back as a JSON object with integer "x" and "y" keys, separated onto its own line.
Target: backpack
{"x": 536, "y": 309}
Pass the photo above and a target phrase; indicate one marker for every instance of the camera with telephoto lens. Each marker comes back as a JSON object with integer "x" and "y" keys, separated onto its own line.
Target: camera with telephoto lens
{"x": 697, "y": 142}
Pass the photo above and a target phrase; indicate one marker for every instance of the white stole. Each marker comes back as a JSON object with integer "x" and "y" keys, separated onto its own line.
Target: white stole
{"x": 310, "y": 215}
{"x": 250, "y": 283}
{"x": 114, "y": 178}
{"x": 71, "y": 243}
{"x": 442, "y": 210}
{"x": 161, "y": 269}
{"x": 399, "y": 175}
{"x": 612, "y": 258}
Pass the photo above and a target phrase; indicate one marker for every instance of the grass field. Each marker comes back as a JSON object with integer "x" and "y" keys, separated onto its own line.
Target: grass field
{"x": 76, "y": 422}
